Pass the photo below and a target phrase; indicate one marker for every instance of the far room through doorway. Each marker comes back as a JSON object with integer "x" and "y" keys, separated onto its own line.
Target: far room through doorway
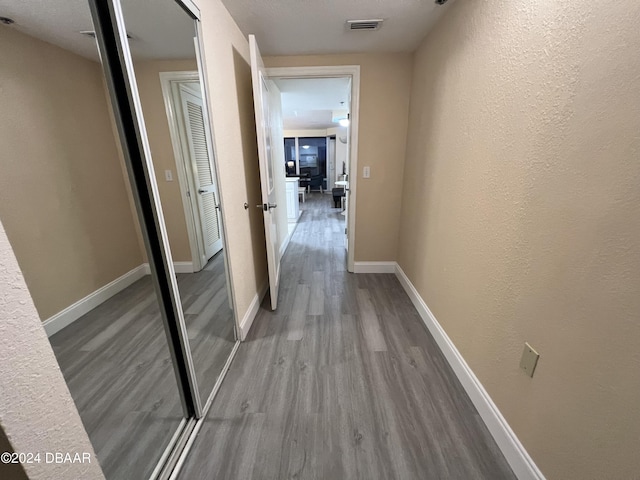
{"x": 316, "y": 117}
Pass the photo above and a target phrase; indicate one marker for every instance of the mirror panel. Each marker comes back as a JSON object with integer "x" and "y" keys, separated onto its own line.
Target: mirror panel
{"x": 174, "y": 108}
{"x": 69, "y": 213}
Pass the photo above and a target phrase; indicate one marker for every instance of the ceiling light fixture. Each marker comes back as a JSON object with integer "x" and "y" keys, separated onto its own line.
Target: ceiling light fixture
{"x": 344, "y": 122}
{"x": 305, "y": 147}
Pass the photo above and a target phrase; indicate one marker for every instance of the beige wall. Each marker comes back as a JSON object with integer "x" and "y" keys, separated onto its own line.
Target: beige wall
{"x": 385, "y": 83}
{"x": 521, "y": 217}
{"x": 226, "y": 54}
{"x": 155, "y": 116}
{"x": 37, "y": 413}
{"x": 62, "y": 195}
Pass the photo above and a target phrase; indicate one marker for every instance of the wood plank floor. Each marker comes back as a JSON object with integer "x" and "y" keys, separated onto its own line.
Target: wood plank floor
{"x": 341, "y": 382}
{"x": 116, "y": 362}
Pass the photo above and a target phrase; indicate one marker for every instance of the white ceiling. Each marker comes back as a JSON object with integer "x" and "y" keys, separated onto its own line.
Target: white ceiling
{"x": 308, "y": 103}
{"x": 161, "y": 29}
{"x": 292, "y": 27}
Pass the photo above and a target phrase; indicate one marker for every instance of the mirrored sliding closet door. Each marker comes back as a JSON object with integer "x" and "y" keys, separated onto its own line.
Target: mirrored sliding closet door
{"x": 163, "y": 40}
{"x": 70, "y": 214}
{"x": 109, "y": 197}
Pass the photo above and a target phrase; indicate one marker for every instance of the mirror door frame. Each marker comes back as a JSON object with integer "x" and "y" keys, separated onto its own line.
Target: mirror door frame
{"x": 119, "y": 76}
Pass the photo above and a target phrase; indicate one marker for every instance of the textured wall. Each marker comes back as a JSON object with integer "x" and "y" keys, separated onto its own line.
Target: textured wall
{"x": 385, "y": 83}
{"x": 37, "y": 413}
{"x": 521, "y": 217}
{"x": 226, "y": 54}
{"x": 155, "y": 116}
{"x": 62, "y": 194}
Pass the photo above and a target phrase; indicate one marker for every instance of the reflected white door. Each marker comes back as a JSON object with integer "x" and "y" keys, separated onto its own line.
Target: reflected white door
{"x": 202, "y": 170}
{"x": 263, "y": 90}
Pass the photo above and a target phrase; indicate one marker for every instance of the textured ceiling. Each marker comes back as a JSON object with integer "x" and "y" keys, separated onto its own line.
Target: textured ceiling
{"x": 291, "y": 27}
{"x": 308, "y": 103}
{"x": 160, "y": 28}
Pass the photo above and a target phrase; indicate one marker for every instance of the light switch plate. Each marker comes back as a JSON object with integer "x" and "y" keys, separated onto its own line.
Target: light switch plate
{"x": 168, "y": 175}
{"x": 366, "y": 172}
{"x": 529, "y": 359}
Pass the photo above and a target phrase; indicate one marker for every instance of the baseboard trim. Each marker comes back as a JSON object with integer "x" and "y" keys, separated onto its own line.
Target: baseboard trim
{"x": 252, "y": 311}
{"x": 521, "y": 463}
{"x": 183, "y": 267}
{"x": 73, "y": 312}
{"x": 179, "y": 267}
{"x": 83, "y": 306}
{"x": 374, "y": 267}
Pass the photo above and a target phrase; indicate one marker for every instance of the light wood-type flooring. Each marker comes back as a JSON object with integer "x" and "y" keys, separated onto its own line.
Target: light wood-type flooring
{"x": 117, "y": 365}
{"x": 342, "y": 381}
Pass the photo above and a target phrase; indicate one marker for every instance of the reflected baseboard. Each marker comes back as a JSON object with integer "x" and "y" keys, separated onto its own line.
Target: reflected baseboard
{"x": 179, "y": 267}
{"x": 83, "y": 306}
{"x": 73, "y": 312}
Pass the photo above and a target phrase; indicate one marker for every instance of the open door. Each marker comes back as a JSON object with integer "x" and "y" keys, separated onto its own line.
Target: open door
{"x": 262, "y": 91}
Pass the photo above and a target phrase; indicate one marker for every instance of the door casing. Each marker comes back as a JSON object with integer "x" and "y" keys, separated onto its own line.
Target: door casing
{"x": 170, "y": 82}
{"x": 353, "y": 72}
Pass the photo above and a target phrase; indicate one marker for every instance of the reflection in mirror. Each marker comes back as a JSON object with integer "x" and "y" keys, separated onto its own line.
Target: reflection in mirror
{"x": 68, "y": 211}
{"x": 175, "y": 115}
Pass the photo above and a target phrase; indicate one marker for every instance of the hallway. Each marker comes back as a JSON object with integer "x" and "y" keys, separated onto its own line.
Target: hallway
{"x": 341, "y": 382}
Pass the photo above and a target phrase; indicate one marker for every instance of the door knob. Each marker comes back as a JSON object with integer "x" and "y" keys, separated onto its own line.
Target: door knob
{"x": 202, "y": 190}
{"x": 267, "y": 206}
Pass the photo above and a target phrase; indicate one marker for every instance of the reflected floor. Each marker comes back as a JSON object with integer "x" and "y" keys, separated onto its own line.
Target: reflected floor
{"x": 117, "y": 365}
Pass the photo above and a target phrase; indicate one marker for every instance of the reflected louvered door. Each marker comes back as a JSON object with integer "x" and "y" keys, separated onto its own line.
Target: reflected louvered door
{"x": 203, "y": 174}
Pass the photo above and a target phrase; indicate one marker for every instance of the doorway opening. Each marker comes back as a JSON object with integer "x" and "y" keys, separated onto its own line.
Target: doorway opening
{"x": 271, "y": 143}
{"x": 320, "y": 127}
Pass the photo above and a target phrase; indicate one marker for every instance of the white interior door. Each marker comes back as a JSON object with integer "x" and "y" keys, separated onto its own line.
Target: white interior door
{"x": 202, "y": 169}
{"x": 261, "y": 99}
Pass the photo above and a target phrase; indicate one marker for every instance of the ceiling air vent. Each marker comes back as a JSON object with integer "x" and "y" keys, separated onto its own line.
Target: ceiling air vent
{"x": 372, "y": 24}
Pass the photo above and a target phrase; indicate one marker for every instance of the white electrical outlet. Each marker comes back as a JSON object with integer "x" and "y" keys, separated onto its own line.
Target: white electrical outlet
{"x": 366, "y": 172}
{"x": 168, "y": 175}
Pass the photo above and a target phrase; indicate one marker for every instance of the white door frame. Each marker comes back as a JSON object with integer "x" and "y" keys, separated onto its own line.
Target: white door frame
{"x": 185, "y": 178}
{"x": 352, "y": 71}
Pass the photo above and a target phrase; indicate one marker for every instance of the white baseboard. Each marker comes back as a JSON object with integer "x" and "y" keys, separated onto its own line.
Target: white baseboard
{"x": 521, "y": 463}
{"x": 179, "y": 267}
{"x": 70, "y": 314}
{"x": 183, "y": 267}
{"x": 252, "y": 311}
{"x": 73, "y": 312}
{"x": 374, "y": 267}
